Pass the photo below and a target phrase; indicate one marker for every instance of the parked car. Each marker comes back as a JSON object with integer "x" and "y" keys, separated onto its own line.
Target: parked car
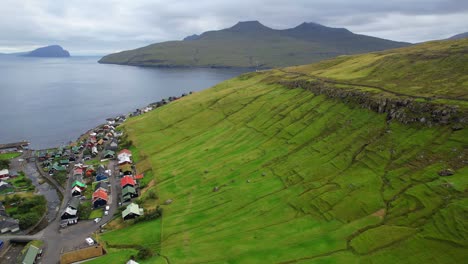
{"x": 89, "y": 241}
{"x": 107, "y": 208}
{"x": 97, "y": 220}
{"x": 106, "y": 213}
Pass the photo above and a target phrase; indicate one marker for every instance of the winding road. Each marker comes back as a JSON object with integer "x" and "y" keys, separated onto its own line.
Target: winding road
{"x": 58, "y": 240}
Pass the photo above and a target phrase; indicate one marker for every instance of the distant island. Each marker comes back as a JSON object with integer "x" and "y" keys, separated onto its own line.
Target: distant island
{"x": 52, "y": 51}
{"x": 250, "y": 44}
{"x": 48, "y": 51}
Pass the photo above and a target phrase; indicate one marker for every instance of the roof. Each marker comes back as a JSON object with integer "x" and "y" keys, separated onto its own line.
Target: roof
{"x": 131, "y": 262}
{"x": 125, "y": 151}
{"x": 31, "y": 255}
{"x": 70, "y": 211}
{"x": 4, "y": 172}
{"x": 100, "y": 194}
{"x": 101, "y": 177}
{"x": 132, "y": 209}
{"x": 78, "y": 171}
{"x": 79, "y": 184}
{"x": 109, "y": 152}
{"x": 58, "y": 167}
{"x": 76, "y": 189}
{"x": 74, "y": 203}
{"x": 102, "y": 184}
{"x": 127, "y": 180}
{"x": 128, "y": 190}
{"x": 123, "y": 159}
{"x": 139, "y": 176}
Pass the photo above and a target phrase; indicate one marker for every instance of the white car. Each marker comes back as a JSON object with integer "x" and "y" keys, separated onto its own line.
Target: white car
{"x": 106, "y": 213}
{"x": 89, "y": 241}
{"x": 107, "y": 208}
{"x": 97, "y": 220}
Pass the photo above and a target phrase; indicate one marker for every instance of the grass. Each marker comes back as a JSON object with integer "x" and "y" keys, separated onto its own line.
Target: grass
{"x": 433, "y": 69}
{"x": 9, "y": 155}
{"x": 300, "y": 178}
{"x": 114, "y": 256}
{"x": 22, "y": 182}
{"x": 145, "y": 234}
{"x": 96, "y": 213}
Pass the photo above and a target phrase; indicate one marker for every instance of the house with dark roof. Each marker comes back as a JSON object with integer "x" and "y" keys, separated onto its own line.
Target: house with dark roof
{"x": 74, "y": 203}
{"x": 102, "y": 185}
{"x": 128, "y": 193}
{"x": 101, "y": 177}
{"x": 69, "y": 213}
{"x": 76, "y": 191}
{"x": 108, "y": 154}
{"x": 100, "y": 198}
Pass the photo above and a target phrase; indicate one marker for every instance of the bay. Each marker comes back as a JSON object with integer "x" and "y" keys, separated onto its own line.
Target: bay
{"x": 51, "y": 101}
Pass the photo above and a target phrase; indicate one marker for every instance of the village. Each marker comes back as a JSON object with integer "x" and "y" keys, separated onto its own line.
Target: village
{"x": 96, "y": 178}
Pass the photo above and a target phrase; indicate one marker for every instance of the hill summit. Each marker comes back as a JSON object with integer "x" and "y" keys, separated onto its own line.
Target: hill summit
{"x": 252, "y": 44}
{"x": 48, "y": 51}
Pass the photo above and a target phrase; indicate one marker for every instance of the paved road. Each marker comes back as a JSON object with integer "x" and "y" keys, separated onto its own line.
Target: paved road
{"x": 59, "y": 240}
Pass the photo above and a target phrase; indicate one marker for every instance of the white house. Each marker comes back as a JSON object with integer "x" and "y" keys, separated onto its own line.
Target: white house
{"x": 4, "y": 174}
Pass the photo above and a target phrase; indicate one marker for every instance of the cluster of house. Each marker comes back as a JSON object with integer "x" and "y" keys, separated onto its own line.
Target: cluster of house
{"x": 128, "y": 180}
{"x": 4, "y": 176}
{"x": 155, "y": 105}
{"x": 59, "y": 159}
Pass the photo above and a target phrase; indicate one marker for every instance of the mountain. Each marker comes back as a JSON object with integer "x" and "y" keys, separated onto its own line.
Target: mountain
{"x": 357, "y": 159}
{"x": 48, "y": 51}
{"x": 251, "y": 44}
{"x": 460, "y": 36}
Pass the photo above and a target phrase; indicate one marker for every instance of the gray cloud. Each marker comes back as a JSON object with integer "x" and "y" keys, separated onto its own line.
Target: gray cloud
{"x": 100, "y": 27}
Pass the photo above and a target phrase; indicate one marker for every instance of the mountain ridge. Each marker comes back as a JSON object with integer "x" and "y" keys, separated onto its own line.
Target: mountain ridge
{"x": 251, "y": 44}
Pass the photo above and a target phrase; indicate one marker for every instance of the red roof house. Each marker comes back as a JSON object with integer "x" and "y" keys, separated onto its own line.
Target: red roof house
{"x": 100, "y": 198}
{"x": 127, "y": 180}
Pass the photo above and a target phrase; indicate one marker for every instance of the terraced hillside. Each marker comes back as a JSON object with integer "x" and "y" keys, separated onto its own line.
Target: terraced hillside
{"x": 261, "y": 172}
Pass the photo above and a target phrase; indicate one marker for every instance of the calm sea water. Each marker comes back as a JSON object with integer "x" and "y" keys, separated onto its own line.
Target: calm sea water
{"x": 51, "y": 101}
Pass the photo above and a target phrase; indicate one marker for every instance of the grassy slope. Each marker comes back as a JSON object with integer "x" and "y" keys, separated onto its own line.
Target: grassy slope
{"x": 436, "y": 68}
{"x": 302, "y": 178}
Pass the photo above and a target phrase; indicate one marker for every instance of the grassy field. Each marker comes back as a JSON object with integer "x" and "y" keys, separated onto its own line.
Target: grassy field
{"x": 433, "y": 69}
{"x": 263, "y": 174}
{"x": 10, "y": 155}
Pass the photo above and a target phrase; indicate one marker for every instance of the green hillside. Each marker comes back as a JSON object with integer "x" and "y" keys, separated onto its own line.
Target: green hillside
{"x": 261, "y": 172}
{"x": 251, "y": 44}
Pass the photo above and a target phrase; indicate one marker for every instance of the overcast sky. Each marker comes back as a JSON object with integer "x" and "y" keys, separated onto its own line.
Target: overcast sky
{"x": 95, "y": 27}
